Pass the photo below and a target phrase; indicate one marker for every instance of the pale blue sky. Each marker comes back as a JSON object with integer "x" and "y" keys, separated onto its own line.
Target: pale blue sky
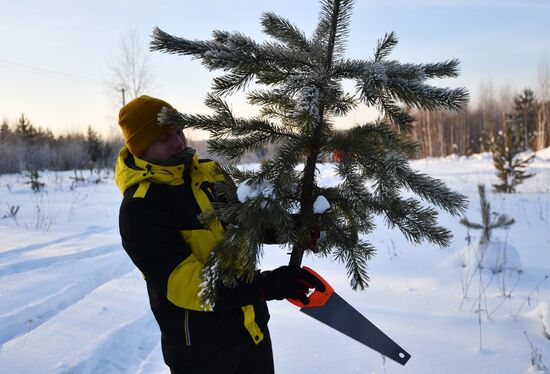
{"x": 502, "y": 41}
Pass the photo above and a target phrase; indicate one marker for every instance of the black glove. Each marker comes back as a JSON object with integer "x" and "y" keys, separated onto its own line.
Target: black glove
{"x": 288, "y": 282}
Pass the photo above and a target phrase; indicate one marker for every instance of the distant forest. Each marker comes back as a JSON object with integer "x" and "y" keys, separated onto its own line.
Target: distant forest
{"x": 472, "y": 131}
{"x": 24, "y": 146}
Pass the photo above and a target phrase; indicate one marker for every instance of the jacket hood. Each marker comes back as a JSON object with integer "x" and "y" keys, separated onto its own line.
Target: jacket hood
{"x": 131, "y": 170}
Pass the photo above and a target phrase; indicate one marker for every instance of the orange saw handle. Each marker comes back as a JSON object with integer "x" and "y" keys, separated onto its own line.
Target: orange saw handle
{"x": 317, "y": 298}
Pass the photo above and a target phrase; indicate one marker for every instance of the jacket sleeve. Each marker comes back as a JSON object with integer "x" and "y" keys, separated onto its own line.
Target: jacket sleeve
{"x": 243, "y": 294}
{"x": 151, "y": 239}
{"x": 153, "y": 242}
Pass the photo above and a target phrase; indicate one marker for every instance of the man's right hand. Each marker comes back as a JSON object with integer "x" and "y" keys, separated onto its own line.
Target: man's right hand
{"x": 288, "y": 282}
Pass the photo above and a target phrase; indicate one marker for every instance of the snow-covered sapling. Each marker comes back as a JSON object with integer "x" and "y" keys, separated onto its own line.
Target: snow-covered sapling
{"x": 487, "y": 254}
{"x": 300, "y": 93}
{"x": 34, "y": 180}
{"x": 510, "y": 165}
{"x": 495, "y": 256}
{"x": 488, "y": 223}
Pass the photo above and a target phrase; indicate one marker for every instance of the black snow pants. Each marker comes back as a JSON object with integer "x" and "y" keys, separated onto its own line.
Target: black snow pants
{"x": 242, "y": 358}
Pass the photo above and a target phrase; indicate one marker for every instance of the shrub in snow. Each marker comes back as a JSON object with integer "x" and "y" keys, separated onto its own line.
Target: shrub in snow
{"x": 537, "y": 365}
{"x": 489, "y": 259}
{"x": 495, "y": 257}
{"x": 12, "y": 213}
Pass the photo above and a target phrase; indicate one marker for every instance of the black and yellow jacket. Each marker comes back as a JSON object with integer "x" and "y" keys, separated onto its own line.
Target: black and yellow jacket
{"x": 162, "y": 235}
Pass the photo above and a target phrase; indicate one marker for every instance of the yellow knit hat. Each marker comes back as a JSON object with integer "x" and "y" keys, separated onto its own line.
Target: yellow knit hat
{"x": 138, "y": 121}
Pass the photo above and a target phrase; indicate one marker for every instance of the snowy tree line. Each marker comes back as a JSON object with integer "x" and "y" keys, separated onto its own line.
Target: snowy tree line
{"x": 474, "y": 130}
{"x": 24, "y": 146}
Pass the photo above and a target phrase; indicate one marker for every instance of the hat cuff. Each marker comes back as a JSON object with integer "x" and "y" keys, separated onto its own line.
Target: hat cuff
{"x": 142, "y": 139}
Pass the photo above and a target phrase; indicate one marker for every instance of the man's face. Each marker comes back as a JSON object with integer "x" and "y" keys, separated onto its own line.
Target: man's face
{"x": 165, "y": 147}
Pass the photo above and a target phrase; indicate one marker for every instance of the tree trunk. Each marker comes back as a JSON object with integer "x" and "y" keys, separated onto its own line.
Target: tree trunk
{"x": 306, "y": 199}
{"x": 429, "y": 148}
{"x": 542, "y": 125}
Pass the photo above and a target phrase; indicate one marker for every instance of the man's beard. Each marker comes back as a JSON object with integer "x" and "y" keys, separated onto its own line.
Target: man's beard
{"x": 184, "y": 157}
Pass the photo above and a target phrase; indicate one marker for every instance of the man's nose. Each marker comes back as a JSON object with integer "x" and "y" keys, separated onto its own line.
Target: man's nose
{"x": 178, "y": 140}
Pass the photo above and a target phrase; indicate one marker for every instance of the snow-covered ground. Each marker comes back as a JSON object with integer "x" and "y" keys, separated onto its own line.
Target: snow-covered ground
{"x": 72, "y": 302}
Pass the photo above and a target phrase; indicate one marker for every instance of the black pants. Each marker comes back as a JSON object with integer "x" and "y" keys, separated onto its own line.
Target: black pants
{"x": 242, "y": 358}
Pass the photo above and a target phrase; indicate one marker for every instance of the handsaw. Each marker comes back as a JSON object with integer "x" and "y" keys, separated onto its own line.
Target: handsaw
{"x": 328, "y": 307}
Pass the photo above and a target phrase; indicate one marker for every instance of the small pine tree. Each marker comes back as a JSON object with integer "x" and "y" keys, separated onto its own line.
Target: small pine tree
{"x": 93, "y": 147}
{"x": 485, "y": 141}
{"x": 525, "y": 116}
{"x": 34, "y": 180}
{"x": 25, "y": 128}
{"x": 5, "y": 131}
{"x": 303, "y": 93}
{"x": 506, "y": 147}
{"x": 487, "y": 225}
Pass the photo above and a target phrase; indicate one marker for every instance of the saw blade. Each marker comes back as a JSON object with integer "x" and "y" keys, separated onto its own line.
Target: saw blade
{"x": 341, "y": 316}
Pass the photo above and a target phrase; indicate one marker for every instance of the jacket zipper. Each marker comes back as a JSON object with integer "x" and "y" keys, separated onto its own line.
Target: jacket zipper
{"x": 186, "y": 329}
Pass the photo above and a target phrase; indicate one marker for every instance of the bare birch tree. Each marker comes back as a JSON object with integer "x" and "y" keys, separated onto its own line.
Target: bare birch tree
{"x": 131, "y": 73}
{"x": 543, "y": 122}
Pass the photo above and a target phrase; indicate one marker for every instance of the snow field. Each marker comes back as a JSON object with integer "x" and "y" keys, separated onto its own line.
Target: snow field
{"x": 72, "y": 302}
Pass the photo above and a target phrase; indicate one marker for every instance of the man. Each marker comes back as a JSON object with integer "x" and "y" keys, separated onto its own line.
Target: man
{"x": 165, "y": 188}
